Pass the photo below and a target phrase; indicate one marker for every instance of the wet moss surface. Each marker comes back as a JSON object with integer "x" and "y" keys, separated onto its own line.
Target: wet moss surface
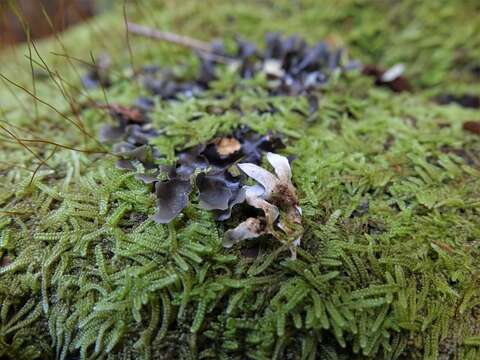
{"x": 388, "y": 184}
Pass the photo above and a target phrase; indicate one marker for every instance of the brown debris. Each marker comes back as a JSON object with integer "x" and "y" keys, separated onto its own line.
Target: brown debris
{"x": 465, "y": 100}
{"x": 468, "y": 157}
{"x": 59, "y": 15}
{"x": 443, "y": 246}
{"x": 5, "y": 261}
{"x": 250, "y": 252}
{"x": 472, "y": 127}
{"x": 399, "y": 84}
{"x": 227, "y": 145}
{"x": 128, "y": 113}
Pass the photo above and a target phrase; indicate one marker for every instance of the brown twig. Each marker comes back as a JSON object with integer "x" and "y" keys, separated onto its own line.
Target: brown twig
{"x": 127, "y": 33}
{"x": 180, "y": 40}
{"x": 21, "y": 142}
{"x": 169, "y": 37}
{"x": 48, "y": 142}
{"x": 42, "y": 163}
{"x": 63, "y": 115}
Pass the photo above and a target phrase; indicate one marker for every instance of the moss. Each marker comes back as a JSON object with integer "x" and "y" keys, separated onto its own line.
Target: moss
{"x": 388, "y": 184}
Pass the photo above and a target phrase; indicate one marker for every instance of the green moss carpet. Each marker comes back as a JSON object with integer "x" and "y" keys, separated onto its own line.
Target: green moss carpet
{"x": 388, "y": 183}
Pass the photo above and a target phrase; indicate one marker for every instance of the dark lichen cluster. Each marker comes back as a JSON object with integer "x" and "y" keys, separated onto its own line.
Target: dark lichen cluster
{"x": 291, "y": 66}
{"x": 209, "y": 167}
{"x": 213, "y": 174}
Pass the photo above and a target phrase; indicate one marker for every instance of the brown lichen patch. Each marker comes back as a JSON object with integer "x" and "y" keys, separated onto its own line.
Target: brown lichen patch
{"x": 226, "y": 146}
{"x": 283, "y": 196}
{"x": 255, "y": 225}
